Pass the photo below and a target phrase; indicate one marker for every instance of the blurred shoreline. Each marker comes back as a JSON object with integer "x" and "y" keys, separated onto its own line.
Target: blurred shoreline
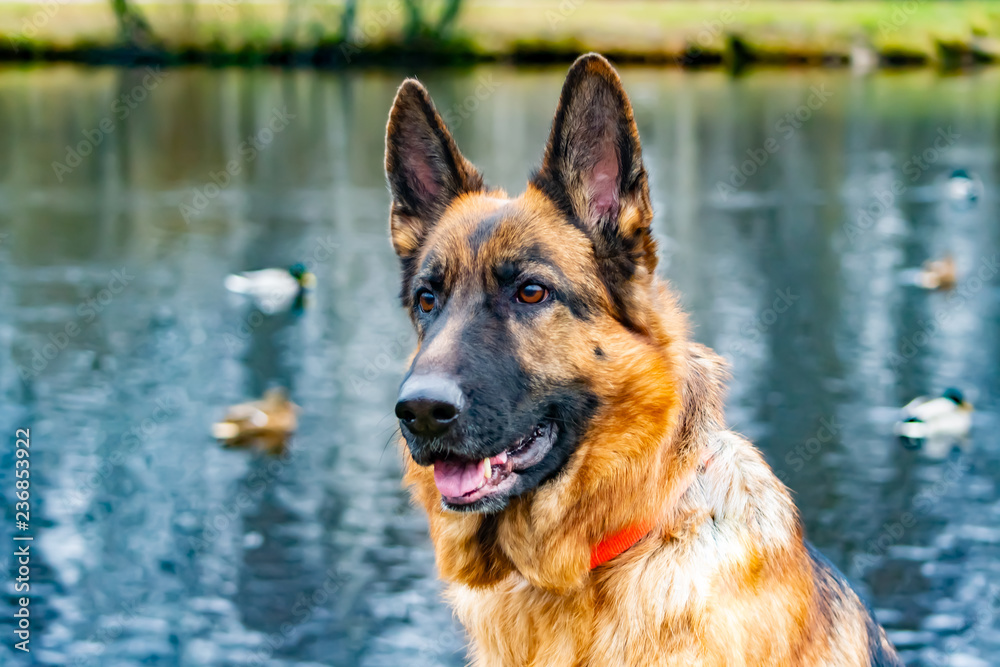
{"x": 863, "y": 34}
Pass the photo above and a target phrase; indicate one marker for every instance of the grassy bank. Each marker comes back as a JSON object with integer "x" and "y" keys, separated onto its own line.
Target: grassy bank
{"x": 906, "y": 32}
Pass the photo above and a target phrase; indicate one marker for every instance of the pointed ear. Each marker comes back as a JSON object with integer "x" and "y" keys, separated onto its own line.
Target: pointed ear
{"x": 593, "y": 165}
{"x": 424, "y": 167}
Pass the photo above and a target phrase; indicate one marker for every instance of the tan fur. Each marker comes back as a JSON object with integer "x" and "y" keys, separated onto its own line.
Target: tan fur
{"x": 724, "y": 578}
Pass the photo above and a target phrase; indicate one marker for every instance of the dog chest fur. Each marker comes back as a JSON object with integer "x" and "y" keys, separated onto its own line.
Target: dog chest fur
{"x": 695, "y": 593}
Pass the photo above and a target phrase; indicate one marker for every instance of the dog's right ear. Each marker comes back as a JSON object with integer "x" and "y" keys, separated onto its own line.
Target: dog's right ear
{"x": 424, "y": 167}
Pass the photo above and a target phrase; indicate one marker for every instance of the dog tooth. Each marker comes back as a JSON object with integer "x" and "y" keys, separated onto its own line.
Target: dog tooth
{"x": 502, "y": 457}
{"x": 487, "y": 468}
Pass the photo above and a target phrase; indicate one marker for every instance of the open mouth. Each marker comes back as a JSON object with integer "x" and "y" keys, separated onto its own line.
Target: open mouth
{"x": 463, "y": 482}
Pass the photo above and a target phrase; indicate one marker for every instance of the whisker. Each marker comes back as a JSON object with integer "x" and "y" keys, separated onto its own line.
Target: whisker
{"x": 391, "y": 437}
{"x": 390, "y": 415}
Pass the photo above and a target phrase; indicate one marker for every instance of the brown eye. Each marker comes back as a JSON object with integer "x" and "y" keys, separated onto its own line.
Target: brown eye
{"x": 532, "y": 293}
{"x": 426, "y": 301}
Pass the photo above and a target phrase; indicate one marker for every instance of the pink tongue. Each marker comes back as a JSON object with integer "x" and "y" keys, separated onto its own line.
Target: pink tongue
{"x": 455, "y": 479}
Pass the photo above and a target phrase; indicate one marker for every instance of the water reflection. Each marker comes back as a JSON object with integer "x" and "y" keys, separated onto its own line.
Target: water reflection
{"x": 154, "y": 544}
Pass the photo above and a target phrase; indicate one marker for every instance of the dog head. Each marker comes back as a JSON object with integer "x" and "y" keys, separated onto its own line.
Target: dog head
{"x": 544, "y": 359}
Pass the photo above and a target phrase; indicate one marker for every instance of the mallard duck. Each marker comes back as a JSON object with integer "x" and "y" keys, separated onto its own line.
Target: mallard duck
{"x": 273, "y": 290}
{"x": 265, "y": 424}
{"x": 962, "y": 190}
{"x": 936, "y": 425}
{"x": 937, "y": 274}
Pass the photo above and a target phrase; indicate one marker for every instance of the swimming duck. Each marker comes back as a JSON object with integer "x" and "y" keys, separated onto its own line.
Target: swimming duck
{"x": 962, "y": 190}
{"x": 937, "y": 274}
{"x": 935, "y": 424}
{"x": 273, "y": 290}
{"x": 265, "y": 424}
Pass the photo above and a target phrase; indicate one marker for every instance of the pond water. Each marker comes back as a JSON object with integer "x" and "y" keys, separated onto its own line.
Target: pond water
{"x": 789, "y": 203}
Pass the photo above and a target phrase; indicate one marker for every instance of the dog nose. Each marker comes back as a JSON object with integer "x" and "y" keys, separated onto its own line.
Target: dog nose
{"x": 429, "y": 404}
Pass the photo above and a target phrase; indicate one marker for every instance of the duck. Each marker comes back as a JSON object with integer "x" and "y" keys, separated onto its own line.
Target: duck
{"x": 936, "y": 424}
{"x": 274, "y": 290}
{"x": 937, "y": 274}
{"x": 264, "y": 424}
{"x": 962, "y": 190}
{"x": 864, "y": 58}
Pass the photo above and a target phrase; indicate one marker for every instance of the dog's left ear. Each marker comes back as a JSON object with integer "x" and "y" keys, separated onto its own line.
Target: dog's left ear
{"x": 593, "y": 165}
{"x": 425, "y": 169}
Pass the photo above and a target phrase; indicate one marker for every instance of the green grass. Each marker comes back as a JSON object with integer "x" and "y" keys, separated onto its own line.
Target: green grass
{"x": 779, "y": 32}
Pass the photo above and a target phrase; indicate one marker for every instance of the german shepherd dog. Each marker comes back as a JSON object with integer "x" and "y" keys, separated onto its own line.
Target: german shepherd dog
{"x": 565, "y": 436}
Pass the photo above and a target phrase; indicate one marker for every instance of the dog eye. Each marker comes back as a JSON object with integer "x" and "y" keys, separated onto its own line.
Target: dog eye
{"x": 426, "y": 300}
{"x": 532, "y": 293}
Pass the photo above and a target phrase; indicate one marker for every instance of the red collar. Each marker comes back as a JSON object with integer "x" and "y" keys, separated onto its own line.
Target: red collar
{"x": 618, "y": 543}
{"x": 625, "y": 539}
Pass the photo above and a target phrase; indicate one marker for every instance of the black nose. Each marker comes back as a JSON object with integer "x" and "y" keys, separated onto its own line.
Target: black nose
{"x": 429, "y": 404}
